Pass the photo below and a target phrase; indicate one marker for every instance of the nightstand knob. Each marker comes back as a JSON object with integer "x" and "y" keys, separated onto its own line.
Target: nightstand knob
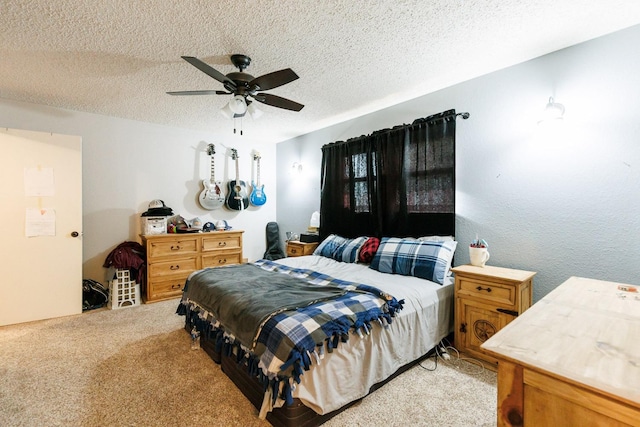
{"x": 480, "y": 288}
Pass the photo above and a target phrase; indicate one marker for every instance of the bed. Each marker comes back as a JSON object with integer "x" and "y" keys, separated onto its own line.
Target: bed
{"x": 410, "y": 280}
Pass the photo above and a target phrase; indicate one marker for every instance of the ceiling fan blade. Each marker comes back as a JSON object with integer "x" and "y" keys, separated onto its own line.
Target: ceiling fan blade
{"x": 210, "y": 71}
{"x": 278, "y": 101}
{"x": 199, "y": 92}
{"x": 273, "y": 80}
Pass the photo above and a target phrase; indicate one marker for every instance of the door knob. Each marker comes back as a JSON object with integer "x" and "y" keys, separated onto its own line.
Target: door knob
{"x": 74, "y": 234}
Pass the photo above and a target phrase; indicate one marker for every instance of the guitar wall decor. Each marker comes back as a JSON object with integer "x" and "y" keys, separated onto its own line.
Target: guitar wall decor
{"x": 212, "y": 196}
{"x": 257, "y": 197}
{"x": 237, "y": 198}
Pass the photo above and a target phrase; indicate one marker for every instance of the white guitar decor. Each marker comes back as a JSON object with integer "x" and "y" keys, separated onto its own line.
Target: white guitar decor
{"x": 257, "y": 197}
{"x": 212, "y": 196}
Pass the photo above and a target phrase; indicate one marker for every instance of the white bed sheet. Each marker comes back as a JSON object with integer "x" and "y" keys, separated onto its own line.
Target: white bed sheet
{"x": 348, "y": 373}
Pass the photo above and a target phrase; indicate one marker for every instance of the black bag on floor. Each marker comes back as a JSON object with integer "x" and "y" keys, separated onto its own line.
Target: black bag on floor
{"x": 274, "y": 248}
{"x": 94, "y": 295}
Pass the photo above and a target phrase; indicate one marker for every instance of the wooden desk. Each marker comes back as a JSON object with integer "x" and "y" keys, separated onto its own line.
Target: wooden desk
{"x": 572, "y": 359}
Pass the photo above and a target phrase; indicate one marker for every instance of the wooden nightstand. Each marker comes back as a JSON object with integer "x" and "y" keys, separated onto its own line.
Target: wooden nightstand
{"x": 487, "y": 299}
{"x": 297, "y": 248}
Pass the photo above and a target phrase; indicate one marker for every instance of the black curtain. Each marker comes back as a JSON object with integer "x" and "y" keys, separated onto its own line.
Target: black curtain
{"x": 394, "y": 182}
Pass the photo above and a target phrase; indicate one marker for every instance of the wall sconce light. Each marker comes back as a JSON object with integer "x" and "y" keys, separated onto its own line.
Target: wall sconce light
{"x": 296, "y": 168}
{"x": 553, "y": 111}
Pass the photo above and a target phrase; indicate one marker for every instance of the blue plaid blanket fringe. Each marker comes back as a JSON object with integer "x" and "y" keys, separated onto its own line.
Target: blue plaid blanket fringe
{"x": 288, "y": 342}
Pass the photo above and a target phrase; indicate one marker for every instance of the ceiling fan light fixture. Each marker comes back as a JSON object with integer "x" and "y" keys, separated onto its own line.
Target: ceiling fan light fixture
{"x": 238, "y": 104}
{"x": 254, "y": 111}
{"x": 226, "y": 111}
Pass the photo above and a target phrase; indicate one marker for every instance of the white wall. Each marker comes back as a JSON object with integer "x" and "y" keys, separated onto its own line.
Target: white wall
{"x": 564, "y": 203}
{"x": 126, "y": 164}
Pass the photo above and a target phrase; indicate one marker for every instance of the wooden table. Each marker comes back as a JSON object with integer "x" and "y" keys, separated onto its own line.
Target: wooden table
{"x": 572, "y": 359}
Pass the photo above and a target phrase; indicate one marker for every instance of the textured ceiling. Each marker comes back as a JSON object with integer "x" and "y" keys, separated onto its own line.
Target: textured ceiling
{"x": 119, "y": 57}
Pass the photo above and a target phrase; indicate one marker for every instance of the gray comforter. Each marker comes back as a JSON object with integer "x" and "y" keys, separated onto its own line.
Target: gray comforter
{"x": 243, "y": 296}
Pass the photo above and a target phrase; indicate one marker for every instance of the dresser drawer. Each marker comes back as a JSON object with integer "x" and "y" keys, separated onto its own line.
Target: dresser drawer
{"x": 161, "y": 289}
{"x": 214, "y": 242}
{"x": 175, "y": 247}
{"x": 176, "y": 267}
{"x": 220, "y": 258}
{"x": 503, "y": 295}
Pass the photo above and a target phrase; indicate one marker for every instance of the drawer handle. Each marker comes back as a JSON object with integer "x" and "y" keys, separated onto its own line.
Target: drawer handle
{"x": 480, "y": 288}
{"x": 175, "y": 267}
{"x": 175, "y": 248}
{"x": 505, "y": 311}
{"x": 222, "y": 243}
{"x": 178, "y": 286}
{"x": 293, "y": 251}
{"x": 222, "y": 261}
{"x": 463, "y": 328}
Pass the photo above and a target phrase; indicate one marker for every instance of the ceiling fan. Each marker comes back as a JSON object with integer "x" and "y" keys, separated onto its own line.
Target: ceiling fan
{"x": 244, "y": 87}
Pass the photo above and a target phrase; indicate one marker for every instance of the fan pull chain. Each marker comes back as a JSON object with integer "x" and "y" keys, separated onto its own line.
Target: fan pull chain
{"x": 234, "y": 125}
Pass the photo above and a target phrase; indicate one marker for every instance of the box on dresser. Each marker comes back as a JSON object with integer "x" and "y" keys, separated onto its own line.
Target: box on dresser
{"x": 172, "y": 257}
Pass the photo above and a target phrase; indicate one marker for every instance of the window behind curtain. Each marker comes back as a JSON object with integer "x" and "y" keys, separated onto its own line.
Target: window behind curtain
{"x": 394, "y": 182}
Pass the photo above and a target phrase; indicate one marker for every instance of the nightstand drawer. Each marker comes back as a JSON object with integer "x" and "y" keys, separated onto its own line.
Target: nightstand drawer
{"x": 177, "y": 247}
{"x": 488, "y": 291}
{"x": 295, "y": 248}
{"x": 182, "y": 267}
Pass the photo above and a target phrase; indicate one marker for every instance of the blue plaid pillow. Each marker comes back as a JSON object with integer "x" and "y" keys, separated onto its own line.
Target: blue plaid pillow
{"x": 329, "y": 245}
{"x": 348, "y": 251}
{"x": 429, "y": 260}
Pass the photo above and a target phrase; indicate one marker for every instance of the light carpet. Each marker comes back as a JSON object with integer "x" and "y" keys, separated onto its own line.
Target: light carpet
{"x": 134, "y": 367}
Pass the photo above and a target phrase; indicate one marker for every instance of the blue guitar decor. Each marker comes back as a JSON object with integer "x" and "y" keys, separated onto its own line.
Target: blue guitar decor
{"x": 257, "y": 198}
{"x": 212, "y": 196}
{"x": 237, "y": 199}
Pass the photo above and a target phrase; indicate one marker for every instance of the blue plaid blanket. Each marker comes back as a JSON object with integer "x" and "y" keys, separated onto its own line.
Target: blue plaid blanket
{"x": 289, "y": 341}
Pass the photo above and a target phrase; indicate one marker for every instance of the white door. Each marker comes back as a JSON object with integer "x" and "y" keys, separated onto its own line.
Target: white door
{"x": 41, "y": 223}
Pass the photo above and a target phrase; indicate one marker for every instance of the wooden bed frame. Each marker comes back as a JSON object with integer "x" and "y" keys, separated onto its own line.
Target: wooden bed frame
{"x": 295, "y": 415}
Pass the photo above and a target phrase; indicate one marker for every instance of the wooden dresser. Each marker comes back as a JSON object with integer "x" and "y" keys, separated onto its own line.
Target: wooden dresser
{"x": 487, "y": 299}
{"x": 172, "y": 257}
{"x": 573, "y": 359}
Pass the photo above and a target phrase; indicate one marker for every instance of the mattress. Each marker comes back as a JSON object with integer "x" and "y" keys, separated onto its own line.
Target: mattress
{"x": 348, "y": 373}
